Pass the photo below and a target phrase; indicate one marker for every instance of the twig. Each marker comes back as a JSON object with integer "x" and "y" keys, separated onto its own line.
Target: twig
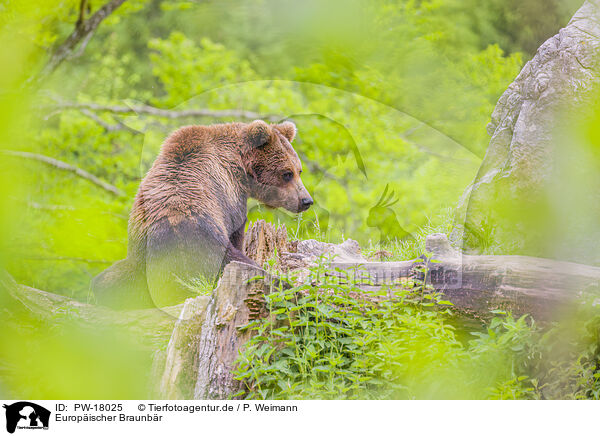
{"x": 65, "y": 167}
{"x": 39, "y": 206}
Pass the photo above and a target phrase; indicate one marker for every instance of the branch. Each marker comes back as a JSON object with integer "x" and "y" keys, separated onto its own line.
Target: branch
{"x": 83, "y": 4}
{"x": 83, "y": 30}
{"x": 40, "y": 206}
{"x": 108, "y": 127}
{"x": 143, "y": 109}
{"x": 65, "y": 167}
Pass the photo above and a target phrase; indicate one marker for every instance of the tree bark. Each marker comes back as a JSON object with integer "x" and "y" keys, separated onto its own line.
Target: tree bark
{"x": 234, "y": 303}
{"x": 262, "y": 240}
{"x": 544, "y": 288}
{"x": 205, "y": 335}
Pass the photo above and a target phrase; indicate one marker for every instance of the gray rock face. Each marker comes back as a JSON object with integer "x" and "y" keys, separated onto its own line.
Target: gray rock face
{"x": 530, "y": 195}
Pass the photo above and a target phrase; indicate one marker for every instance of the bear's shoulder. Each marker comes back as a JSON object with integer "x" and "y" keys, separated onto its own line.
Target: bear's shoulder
{"x": 189, "y": 139}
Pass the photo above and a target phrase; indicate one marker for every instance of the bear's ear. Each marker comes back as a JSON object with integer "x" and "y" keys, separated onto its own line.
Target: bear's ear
{"x": 288, "y": 129}
{"x": 258, "y": 134}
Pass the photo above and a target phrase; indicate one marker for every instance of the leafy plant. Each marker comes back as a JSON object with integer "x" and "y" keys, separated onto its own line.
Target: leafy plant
{"x": 331, "y": 340}
{"x": 328, "y": 339}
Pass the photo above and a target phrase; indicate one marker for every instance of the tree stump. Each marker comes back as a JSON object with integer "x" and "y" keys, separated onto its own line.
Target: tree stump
{"x": 263, "y": 239}
{"x": 235, "y": 302}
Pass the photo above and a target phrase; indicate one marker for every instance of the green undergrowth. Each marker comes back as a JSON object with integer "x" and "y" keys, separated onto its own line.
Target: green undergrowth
{"x": 328, "y": 340}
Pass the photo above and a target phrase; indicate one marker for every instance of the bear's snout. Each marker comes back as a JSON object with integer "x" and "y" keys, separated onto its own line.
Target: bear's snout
{"x": 305, "y": 203}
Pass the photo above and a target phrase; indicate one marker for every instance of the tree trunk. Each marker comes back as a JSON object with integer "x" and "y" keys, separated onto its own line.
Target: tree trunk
{"x": 177, "y": 369}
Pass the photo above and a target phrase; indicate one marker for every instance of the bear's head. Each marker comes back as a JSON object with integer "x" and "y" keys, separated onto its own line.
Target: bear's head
{"x": 273, "y": 166}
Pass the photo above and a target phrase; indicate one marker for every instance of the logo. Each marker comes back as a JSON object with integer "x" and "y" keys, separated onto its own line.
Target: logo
{"x": 26, "y": 415}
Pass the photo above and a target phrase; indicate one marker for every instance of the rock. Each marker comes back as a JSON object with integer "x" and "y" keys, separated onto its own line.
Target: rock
{"x": 347, "y": 251}
{"x": 536, "y": 191}
{"x": 438, "y": 244}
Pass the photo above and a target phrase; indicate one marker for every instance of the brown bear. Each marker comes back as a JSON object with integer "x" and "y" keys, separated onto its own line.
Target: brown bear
{"x": 189, "y": 213}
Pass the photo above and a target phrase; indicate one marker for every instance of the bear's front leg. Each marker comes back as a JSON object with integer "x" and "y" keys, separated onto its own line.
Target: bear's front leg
{"x": 235, "y": 249}
{"x": 237, "y": 238}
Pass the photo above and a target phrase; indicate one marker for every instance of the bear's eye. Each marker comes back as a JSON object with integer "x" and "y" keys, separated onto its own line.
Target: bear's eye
{"x": 287, "y": 176}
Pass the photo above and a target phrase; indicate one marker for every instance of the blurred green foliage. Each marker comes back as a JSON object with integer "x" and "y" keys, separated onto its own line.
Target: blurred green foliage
{"x": 383, "y": 92}
{"x": 394, "y": 93}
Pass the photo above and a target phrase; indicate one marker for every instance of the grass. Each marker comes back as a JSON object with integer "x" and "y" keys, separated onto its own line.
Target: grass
{"x": 412, "y": 248}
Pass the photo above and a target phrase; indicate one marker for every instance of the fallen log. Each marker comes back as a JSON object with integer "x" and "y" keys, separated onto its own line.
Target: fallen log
{"x": 477, "y": 285}
{"x": 263, "y": 240}
{"x": 153, "y": 327}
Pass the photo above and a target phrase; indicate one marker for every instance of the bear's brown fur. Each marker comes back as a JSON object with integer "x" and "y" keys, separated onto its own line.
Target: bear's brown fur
{"x": 189, "y": 213}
